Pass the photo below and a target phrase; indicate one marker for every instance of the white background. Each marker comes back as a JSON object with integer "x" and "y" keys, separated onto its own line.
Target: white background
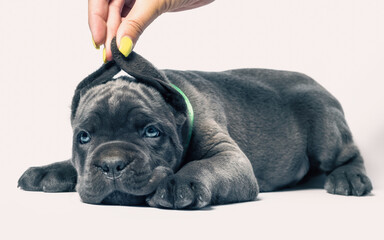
{"x": 46, "y": 51}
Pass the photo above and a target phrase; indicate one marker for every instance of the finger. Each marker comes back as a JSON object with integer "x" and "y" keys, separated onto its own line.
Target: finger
{"x": 97, "y": 20}
{"x": 192, "y": 5}
{"x": 113, "y": 22}
{"x": 139, "y": 17}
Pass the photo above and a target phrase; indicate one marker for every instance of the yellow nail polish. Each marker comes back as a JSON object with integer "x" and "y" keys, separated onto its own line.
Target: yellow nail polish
{"x": 125, "y": 46}
{"x": 104, "y": 55}
{"x": 95, "y": 45}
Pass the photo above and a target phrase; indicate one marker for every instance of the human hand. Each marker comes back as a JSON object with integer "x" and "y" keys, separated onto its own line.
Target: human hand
{"x": 127, "y": 19}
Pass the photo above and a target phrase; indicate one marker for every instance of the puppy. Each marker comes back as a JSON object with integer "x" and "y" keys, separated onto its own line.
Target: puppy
{"x": 188, "y": 139}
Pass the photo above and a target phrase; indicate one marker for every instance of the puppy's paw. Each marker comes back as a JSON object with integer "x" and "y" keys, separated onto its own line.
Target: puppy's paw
{"x": 48, "y": 179}
{"x": 179, "y": 192}
{"x": 348, "y": 181}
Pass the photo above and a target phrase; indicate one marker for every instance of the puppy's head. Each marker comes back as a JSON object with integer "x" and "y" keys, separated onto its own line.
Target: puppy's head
{"x": 126, "y": 139}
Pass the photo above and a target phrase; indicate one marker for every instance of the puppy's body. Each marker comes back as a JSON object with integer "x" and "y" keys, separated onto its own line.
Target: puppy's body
{"x": 259, "y": 109}
{"x": 254, "y": 130}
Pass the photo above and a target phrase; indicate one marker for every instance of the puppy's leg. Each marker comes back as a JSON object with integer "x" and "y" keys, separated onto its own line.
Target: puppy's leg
{"x": 224, "y": 175}
{"x": 348, "y": 177}
{"x": 333, "y": 149}
{"x": 56, "y": 177}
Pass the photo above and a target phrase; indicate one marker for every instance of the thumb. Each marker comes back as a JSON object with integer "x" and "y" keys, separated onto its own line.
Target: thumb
{"x": 133, "y": 25}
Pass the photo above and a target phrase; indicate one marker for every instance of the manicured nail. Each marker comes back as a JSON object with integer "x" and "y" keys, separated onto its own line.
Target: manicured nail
{"x": 104, "y": 55}
{"x": 125, "y": 46}
{"x": 95, "y": 45}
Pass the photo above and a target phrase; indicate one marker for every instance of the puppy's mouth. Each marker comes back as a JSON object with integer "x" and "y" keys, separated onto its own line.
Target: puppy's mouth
{"x": 158, "y": 174}
{"x": 118, "y": 192}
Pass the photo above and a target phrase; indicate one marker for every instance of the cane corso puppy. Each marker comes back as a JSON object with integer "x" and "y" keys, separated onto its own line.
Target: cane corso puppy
{"x": 188, "y": 139}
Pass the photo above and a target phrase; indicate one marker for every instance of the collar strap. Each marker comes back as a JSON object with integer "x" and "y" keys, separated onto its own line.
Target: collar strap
{"x": 191, "y": 115}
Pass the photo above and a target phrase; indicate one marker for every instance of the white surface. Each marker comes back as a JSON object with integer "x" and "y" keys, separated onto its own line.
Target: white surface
{"x": 46, "y": 50}
{"x": 305, "y": 214}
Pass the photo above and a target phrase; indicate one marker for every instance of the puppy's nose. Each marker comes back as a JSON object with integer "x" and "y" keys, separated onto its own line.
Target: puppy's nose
{"x": 112, "y": 168}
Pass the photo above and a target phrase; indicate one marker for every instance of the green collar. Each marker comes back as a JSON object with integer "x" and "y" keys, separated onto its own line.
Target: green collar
{"x": 191, "y": 116}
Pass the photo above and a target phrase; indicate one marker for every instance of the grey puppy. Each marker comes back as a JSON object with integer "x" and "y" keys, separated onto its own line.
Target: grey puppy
{"x": 222, "y": 138}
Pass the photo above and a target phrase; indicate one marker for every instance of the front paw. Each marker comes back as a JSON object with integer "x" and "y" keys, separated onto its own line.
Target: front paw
{"x": 48, "y": 179}
{"x": 180, "y": 192}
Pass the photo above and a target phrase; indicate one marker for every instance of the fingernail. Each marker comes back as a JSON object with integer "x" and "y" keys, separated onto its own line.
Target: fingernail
{"x": 95, "y": 45}
{"x": 125, "y": 46}
{"x": 104, "y": 55}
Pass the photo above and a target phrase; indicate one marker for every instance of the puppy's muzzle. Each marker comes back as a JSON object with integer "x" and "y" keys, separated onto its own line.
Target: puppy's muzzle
{"x": 112, "y": 167}
{"x": 114, "y": 158}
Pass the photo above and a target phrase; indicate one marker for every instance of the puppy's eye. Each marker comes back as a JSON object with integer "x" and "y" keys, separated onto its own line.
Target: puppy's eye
{"x": 83, "y": 137}
{"x": 151, "y": 132}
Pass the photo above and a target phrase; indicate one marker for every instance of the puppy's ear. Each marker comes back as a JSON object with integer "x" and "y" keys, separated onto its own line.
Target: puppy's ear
{"x": 136, "y": 66}
{"x": 141, "y": 69}
{"x": 104, "y": 74}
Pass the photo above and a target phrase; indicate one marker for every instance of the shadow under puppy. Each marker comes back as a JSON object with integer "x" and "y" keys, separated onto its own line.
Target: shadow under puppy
{"x": 188, "y": 139}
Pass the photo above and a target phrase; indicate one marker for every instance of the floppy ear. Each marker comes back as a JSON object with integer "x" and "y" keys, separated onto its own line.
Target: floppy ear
{"x": 136, "y": 66}
{"x": 141, "y": 69}
{"x": 102, "y": 75}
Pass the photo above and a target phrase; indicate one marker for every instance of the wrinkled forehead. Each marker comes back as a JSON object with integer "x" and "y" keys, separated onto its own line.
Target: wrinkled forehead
{"x": 118, "y": 98}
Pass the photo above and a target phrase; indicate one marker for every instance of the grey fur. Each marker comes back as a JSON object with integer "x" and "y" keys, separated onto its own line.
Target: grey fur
{"x": 255, "y": 130}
